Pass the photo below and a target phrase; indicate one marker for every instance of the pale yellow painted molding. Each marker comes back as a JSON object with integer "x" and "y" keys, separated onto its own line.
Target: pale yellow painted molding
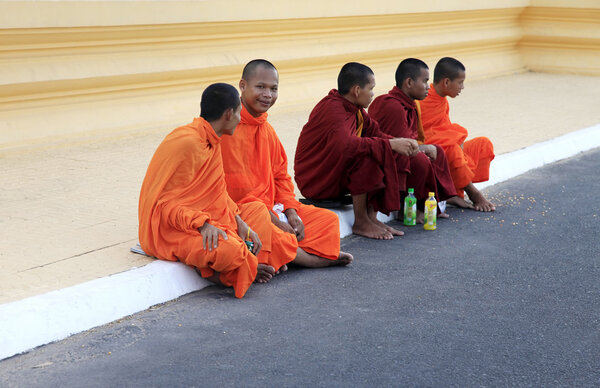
{"x": 51, "y": 13}
{"x": 561, "y": 40}
{"x": 565, "y": 3}
{"x": 119, "y": 61}
{"x": 50, "y": 63}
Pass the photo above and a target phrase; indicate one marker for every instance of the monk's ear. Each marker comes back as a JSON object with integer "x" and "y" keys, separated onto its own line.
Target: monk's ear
{"x": 228, "y": 114}
{"x": 408, "y": 82}
{"x": 355, "y": 90}
{"x": 243, "y": 84}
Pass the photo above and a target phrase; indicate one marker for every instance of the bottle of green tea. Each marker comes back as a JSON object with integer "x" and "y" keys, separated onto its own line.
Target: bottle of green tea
{"x": 410, "y": 208}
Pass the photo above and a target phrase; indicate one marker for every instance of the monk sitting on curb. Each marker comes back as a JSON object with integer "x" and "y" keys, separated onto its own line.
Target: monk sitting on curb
{"x": 397, "y": 114}
{"x": 469, "y": 160}
{"x": 341, "y": 150}
{"x": 256, "y": 171}
{"x": 185, "y": 213}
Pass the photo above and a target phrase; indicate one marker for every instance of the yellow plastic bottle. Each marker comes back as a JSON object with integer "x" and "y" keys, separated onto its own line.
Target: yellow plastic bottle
{"x": 430, "y": 212}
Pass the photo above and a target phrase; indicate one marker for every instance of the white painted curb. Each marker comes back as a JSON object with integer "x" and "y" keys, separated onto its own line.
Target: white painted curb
{"x": 515, "y": 163}
{"x": 55, "y": 315}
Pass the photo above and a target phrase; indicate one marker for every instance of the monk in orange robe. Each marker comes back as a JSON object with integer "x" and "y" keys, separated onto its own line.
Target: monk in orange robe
{"x": 469, "y": 160}
{"x": 398, "y": 115}
{"x": 185, "y": 213}
{"x": 341, "y": 150}
{"x": 256, "y": 170}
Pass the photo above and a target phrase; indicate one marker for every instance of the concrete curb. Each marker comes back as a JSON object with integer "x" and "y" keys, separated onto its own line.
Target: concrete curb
{"x": 53, "y": 316}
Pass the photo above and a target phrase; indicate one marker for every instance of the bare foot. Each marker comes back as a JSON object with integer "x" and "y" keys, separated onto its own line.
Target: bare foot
{"x": 483, "y": 205}
{"x": 443, "y": 215}
{"x": 373, "y": 218}
{"x": 283, "y": 268}
{"x": 459, "y": 202}
{"x": 306, "y": 259}
{"x": 264, "y": 273}
{"x": 393, "y": 231}
{"x": 370, "y": 230}
{"x": 344, "y": 258}
{"x": 479, "y": 202}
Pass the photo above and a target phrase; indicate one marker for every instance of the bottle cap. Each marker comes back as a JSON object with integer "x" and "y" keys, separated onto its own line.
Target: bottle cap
{"x": 411, "y": 191}
{"x": 431, "y": 193}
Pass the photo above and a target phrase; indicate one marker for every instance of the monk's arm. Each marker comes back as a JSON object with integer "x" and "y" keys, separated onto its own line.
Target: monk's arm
{"x": 371, "y": 128}
{"x": 248, "y": 234}
{"x": 185, "y": 218}
{"x": 187, "y": 158}
{"x": 280, "y": 224}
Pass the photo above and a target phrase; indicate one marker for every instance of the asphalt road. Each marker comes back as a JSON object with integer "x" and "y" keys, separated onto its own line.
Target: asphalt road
{"x": 510, "y": 298}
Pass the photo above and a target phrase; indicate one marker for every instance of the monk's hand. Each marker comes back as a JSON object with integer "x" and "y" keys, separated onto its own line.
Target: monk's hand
{"x": 429, "y": 150}
{"x": 404, "y": 146}
{"x": 246, "y": 233}
{"x": 281, "y": 225}
{"x": 256, "y": 240}
{"x": 296, "y": 223}
{"x": 210, "y": 236}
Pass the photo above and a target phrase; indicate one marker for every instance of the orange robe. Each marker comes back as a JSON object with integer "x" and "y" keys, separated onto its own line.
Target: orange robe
{"x": 469, "y": 160}
{"x": 185, "y": 187}
{"x": 256, "y": 170}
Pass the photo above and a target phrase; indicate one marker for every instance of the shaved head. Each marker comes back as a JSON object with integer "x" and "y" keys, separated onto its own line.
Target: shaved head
{"x": 353, "y": 73}
{"x": 447, "y": 68}
{"x": 251, "y": 66}
{"x": 216, "y": 99}
{"x": 409, "y": 68}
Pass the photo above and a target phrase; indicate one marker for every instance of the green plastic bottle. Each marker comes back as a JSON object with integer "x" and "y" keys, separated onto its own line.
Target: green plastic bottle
{"x": 410, "y": 208}
{"x": 430, "y": 212}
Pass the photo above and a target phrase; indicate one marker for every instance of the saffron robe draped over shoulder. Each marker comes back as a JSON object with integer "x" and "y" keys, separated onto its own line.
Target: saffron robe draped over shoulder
{"x": 337, "y": 154}
{"x": 184, "y": 187}
{"x": 398, "y": 116}
{"x": 469, "y": 160}
{"x": 256, "y": 170}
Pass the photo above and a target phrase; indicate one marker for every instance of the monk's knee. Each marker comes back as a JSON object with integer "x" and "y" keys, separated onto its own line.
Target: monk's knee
{"x": 231, "y": 254}
{"x": 255, "y": 207}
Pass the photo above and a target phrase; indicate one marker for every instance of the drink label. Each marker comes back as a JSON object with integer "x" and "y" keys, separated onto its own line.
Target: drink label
{"x": 430, "y": 215}
{"x": 410, "y": 211}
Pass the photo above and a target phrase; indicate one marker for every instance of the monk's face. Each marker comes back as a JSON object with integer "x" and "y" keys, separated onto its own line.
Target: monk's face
{"x": 418, "y": 88}
{"x": 232, "y": 121}
{"x": 259, "y": 92}
{"x": 365, "y": 94}
{"x": 454, "y": 87}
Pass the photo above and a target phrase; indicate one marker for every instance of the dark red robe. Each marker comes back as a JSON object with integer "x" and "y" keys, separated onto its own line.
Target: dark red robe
{"x": 332, "y": 160}
{"x": 397, "y": 116}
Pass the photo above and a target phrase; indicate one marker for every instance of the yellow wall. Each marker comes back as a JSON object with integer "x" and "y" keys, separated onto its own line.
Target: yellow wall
{"x": 86, "y": 67}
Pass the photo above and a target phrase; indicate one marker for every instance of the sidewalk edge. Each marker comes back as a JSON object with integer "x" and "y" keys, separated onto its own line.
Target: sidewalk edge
{"x": 55, "y": 315}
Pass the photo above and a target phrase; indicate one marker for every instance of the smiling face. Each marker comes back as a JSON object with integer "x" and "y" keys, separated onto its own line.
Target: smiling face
{"x": 259, "y": 91}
